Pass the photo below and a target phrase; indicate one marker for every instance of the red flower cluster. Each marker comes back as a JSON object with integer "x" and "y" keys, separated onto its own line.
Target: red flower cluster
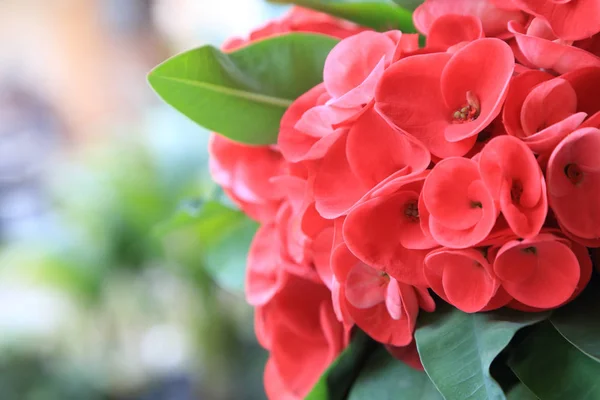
{"x": 469, "y": 167}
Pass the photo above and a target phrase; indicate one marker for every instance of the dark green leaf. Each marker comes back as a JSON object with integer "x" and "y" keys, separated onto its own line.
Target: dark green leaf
{"x": 385, "y": 378}
{"x": 579, "y": 321}
{"x": 521, "y": 392}
{"x": 335, "y": 382}
{"x": 409, "y": 4}
{"x": 243, "y": 94}
{"x": 457, "y": 349}
{"x": 381, "y": 15}
{"x": 553, "y": 368}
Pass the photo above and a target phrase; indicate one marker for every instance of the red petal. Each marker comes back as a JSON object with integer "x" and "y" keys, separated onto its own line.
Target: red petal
{"x": 505, "y": 162}
{"x": 483, "y": 67}
{"x": 466, "y": 277}
{"x": 540, "y": 272}
{"x": 409, "y": 95}
{"x": 493, "y": 19}
{"x": 371, "y": 232}
{"x": 378, "y": 323}
{"x": 375, "y": 150}
{"x": 336, "y": 186}
{"x": 519, "y": 88}
{"x": 570, "y": 20}
{"x": 575, "y": 202}
{"x": 550, "y": 55}
{"x": 264, "y": 276}
{"x": 451, "y": 29}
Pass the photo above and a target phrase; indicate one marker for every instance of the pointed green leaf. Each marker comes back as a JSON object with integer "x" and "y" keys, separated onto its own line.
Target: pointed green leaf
{"x": 335, "y": 382}
{"x": 243, "y": 94}
{"x": 579, "y": 321}
{"x": 554, "y": 369}
{"x": 457, "y": 348}
{"x": 385, "y": 378}
{"x": 381, "y": 15}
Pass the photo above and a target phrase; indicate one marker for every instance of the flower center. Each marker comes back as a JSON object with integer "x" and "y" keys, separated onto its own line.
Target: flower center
{"x": 516, "y": 191}
{"x": 468, "y": 112}
{"x": 411, "y": 211}
{"x": 574, "y": 173}
{"x": 530, "y": 250}
{"x": 476, "y": 204}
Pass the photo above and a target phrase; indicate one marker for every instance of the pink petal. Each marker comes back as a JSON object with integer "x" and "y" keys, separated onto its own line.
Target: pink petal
{"x": 393, "y": 302}
{"x": 365, "y": 286}
{"x": 352, "y": 60}
{"x": 264, "y": 276}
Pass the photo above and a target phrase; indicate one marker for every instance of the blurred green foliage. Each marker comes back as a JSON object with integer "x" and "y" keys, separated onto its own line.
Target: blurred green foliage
{"x": 138, "y": 242}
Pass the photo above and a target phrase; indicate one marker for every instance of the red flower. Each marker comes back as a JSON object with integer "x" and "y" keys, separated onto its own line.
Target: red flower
{"x": 303, "y": 337}
{"x": 462, "y": 211}
{"x": 573, "y": 176}
{"x": 541, "y": 110}
{"x": 245, "y": 174}
{"x": 464, "y": 278}
{"x": 515, "y": 181}
{"x": 585, "y": 264}
{"x": 541, "y": 272}
{"x": 380, "y": 305}
{"x": 494, "y": 15}
{"x": 385, "y": 230}
{"x": 569, "y": 19}
{"x": 446, "y": 100}
{"x": 371, "y": 152}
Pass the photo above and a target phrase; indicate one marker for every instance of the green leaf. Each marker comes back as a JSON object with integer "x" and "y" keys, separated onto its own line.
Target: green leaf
{"x": 579, "y": 321}
{"x": 381, "y": 15}
{"x": 409, "y": 4}
{"x": 384, "y": 378}
{"x": 457, "y": 348}
{"x": 336, "y": 381}
{"x": 221, "y": 236}
{"x": 554, "y": 369}
{"x": 521, "y": 392}
{"x": 243, "y": 94}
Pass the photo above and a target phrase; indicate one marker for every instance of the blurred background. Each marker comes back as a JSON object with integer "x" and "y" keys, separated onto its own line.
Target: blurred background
{"x": 109, "y": 288}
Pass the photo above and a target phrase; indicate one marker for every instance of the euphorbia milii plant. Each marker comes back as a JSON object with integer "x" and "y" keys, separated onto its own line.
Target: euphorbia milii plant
{"x": 420, "y": 200}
